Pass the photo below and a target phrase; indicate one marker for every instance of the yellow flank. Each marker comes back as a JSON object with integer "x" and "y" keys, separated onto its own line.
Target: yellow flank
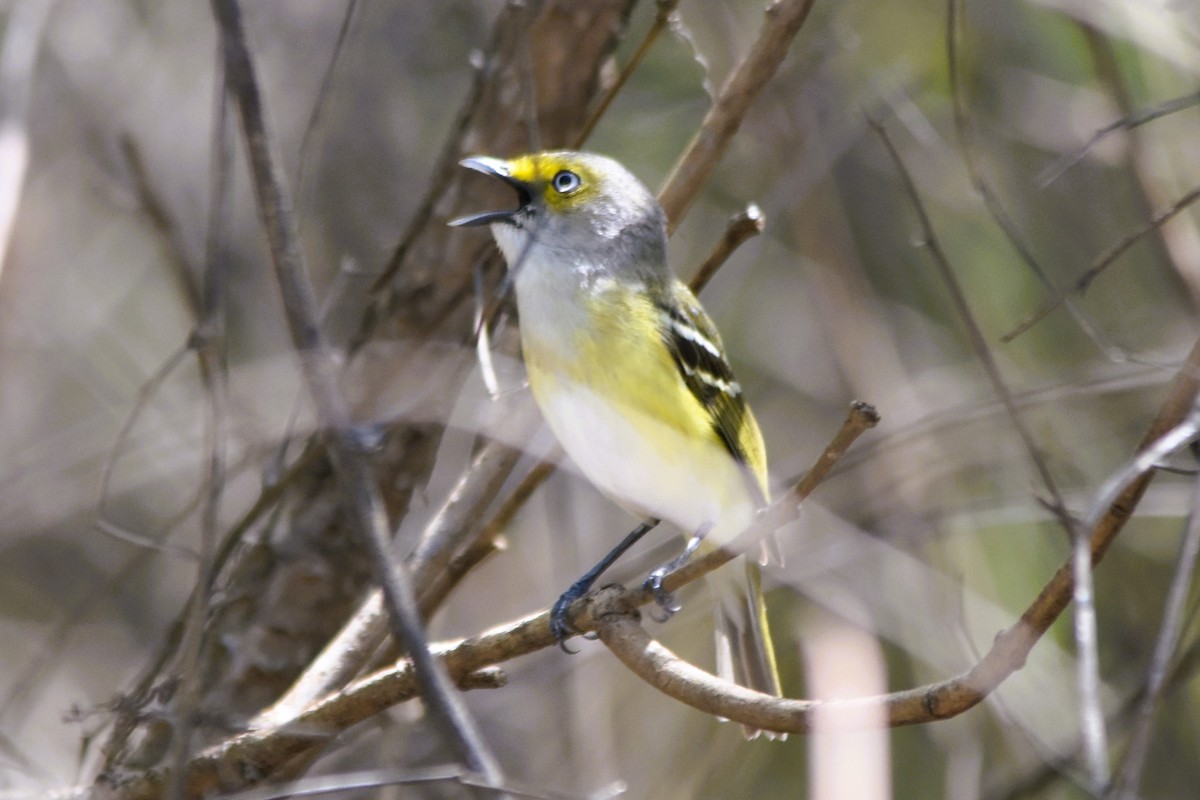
{"x": 610, "y": 356}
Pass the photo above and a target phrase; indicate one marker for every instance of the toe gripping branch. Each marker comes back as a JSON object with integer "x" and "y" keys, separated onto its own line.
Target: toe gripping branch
{"x": 560, "y": 622}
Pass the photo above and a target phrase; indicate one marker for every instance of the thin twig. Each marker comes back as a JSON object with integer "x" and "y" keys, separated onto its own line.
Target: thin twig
{"x": 1129, "y": 772}
{"x": 982, "y": 350}
{"x": 356, "y": 476}
{"x": 665, "y": 9}
{"x": 313, "y": 132}
{"x": 208, "y": 341}
{"x": 145, "y": 394}
{"x": 746, "y": 224}
{"x": 991, "y": 202}
{"x": 1125, "y": 123}
{"x": 782, "y": 22}
{"x": 1104, "y": 261}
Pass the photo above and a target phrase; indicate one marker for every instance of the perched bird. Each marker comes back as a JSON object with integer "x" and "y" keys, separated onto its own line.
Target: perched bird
{"x": 630, "y": 372}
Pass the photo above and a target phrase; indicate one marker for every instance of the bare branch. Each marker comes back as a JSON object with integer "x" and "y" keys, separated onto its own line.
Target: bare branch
{"x": 982, "y": 351}
{"x": 1129, "y": 772}
{"x": 1104, "y": 261}
{"x": 356, "y": 475}
{"x": 746, "y": 224}
{"x": 665, "y": 9}
{"x": 450, "y": 531}
{"x": 784, "y": 18}
{"x": 1125, "y": 123}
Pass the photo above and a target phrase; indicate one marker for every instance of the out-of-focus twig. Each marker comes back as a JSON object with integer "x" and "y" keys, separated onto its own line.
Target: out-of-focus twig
{"x": 145, "y": 394}
{"x": 1104, "y": 261}
{"x": 314, "y": 131}
{"x": 443, "y": 537}
{"x": 356, "y": 475}
{"x": 1129, "y": 772}
{"x": 967, "y": 144}
{"x": 665, "y": 9}
{"x": 982, "y": 351}
{"x": 783, "y": 21}
{"x": 1125, "y": 123}
{"x": 208, "y": 341}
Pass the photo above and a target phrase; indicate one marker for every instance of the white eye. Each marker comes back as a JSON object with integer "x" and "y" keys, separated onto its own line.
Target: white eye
{"x": 566, "y": 181}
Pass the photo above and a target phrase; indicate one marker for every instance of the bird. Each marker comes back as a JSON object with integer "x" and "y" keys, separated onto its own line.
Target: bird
{"x": 631, "y": 375}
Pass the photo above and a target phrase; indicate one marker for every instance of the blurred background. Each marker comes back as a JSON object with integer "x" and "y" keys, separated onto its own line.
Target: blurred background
{"x": 931, "y": 537}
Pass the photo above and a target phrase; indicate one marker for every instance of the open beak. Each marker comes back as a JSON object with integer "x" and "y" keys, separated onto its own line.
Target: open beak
{"x": 499, "y": 168}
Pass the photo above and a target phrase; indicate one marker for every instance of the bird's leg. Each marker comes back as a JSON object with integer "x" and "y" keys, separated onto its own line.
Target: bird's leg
{"x": 666, "y": 600}
{"x": 560, "y": 626}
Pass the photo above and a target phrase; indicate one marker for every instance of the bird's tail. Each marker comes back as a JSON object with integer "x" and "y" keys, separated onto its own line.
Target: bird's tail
{"x": 745, "y": 654}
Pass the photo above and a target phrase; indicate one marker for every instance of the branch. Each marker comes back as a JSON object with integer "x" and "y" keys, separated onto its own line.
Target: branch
{"x": 619, "y": 629}
{"x": 966, "y": 142}
{"x": 1126, "y": 123}
{"x": 746, "y": 224}
{"x": 784, "y": 19}
{"x": 356, "y": 476}
{"x": 663, "y": 16}
{"x": 243, "y": 760}
{"x": 982, "y": 351}
{"x": 258, "y": 752}
{"x": 452, "y": 530}
{"x": 1104, "y": 261}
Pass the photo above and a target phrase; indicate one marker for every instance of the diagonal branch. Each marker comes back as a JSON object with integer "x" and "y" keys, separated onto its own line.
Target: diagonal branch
{"x": 262, "y": 750}
{"x": 784, "y": 18}
{"x": 356, "y": 475}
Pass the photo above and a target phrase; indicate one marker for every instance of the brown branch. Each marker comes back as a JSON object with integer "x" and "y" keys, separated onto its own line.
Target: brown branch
{"x": 245, "y": 759}
{"x": 452, "y": 530}
{"x": 784, "y": 18}
{"x": 356, "y": 474}
{"x": 665, "y": 9}
{"x": 746, "y": 224}
{"x": 936, "y": 701}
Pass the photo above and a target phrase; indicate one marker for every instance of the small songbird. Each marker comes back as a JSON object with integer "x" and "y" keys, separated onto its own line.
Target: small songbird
{"x": 630, "y": 372}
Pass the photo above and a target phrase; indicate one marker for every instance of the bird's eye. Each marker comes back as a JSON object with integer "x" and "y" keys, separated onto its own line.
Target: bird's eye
{"x": 566, "y": 181}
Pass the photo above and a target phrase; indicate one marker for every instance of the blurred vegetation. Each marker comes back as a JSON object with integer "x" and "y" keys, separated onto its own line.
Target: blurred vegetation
{"x": 932, "y": 536}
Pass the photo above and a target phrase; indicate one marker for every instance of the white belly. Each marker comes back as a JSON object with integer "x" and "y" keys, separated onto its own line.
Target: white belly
{"x": 647, "y": 467}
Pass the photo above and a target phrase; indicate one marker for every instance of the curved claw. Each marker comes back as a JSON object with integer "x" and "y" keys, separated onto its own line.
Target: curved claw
{"x": 560, "y": 625}
{"x": 666, "y": 600}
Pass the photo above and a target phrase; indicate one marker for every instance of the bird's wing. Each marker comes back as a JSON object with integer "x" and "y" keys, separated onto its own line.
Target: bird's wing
{"x": 695, "y": 347}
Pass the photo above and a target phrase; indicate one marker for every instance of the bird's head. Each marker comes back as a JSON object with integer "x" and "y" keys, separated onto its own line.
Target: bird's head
{"x": 579, "y": 204}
